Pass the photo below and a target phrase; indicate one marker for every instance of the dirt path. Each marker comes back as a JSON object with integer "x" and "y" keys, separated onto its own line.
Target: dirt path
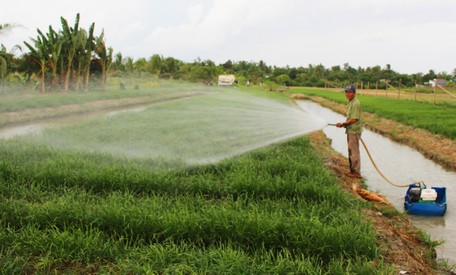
{"x": 39, "y": 114}
{"x": 438, "y": 148}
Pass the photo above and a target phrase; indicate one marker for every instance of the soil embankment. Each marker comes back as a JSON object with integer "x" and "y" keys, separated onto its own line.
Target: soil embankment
{"x": 399, "y": 240}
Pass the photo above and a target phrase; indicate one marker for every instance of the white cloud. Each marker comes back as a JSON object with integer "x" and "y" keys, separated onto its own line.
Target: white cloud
{"x": 195, "y": 13}
{"x": 223, "y": 21}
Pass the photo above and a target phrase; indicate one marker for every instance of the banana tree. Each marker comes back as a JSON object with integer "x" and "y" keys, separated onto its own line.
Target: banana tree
{"x": 54, "y": 46}
{"x": 3, "y": 63}
{"x": 89, "y": 47}
{"x": 39, "y": 54}
{"x": 104, "y": 58}
{"x": 3, "y": 53}
{"x": 79, "y": 59}
{"x": 5, "y": 27}
{"x": 71, "y": 39}
{"x": 3, "y": 68}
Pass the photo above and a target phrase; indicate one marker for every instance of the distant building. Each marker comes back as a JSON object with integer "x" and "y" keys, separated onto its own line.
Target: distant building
{"x": 226, "y": 80}
{"x": 440, "y": 82}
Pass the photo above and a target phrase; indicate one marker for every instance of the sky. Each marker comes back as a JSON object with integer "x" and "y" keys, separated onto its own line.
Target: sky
{"x": 412, "y": 36}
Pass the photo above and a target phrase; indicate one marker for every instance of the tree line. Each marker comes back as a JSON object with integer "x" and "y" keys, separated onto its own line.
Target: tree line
{"x": 260, "y": 72}
{"x": 74, "y": 58}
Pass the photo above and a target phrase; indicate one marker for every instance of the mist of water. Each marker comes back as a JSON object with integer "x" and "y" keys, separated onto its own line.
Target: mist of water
{"x": 193, "y": 130}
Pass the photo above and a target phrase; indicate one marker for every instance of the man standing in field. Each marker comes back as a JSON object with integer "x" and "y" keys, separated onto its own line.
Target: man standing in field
{"x": 353, "y": 130}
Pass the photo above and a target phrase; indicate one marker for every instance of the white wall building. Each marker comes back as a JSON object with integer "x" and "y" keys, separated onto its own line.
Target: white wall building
{"x": 441, "y": 82}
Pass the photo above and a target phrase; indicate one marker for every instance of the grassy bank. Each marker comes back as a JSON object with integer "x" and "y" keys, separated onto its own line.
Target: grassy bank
{"x": 437, "y": 119}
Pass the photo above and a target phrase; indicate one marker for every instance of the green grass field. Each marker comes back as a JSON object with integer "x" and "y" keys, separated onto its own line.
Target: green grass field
{"x": 183, "y": 185}
{"x": 438, "y": 119}
{"x": 66, "y": 208}
{"x": 273, "y": 210}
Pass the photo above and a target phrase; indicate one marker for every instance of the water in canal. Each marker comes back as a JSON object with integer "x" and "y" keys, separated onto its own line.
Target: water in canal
{"x": 400, "y": 164}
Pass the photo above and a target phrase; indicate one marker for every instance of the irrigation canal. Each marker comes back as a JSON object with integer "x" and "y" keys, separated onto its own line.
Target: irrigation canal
{"x": 401, "y": 164}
